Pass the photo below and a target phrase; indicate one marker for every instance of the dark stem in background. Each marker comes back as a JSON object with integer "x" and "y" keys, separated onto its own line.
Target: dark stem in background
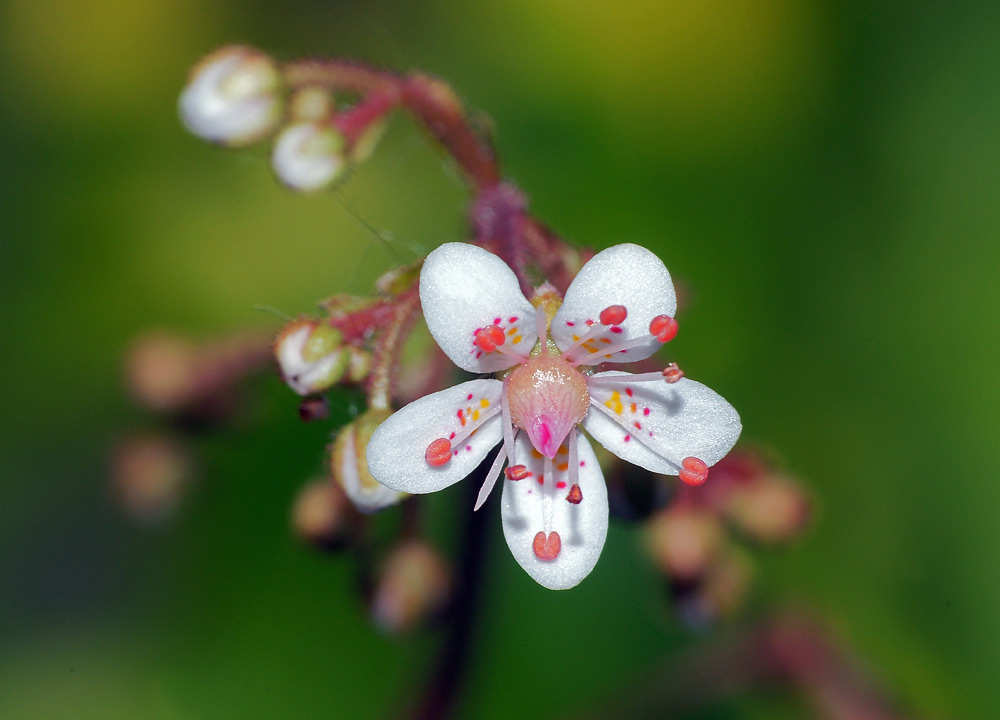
{"x": 441, "y": 689}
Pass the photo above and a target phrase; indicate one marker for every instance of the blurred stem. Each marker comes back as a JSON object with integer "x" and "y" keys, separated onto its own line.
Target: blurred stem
{"x": 430, "y": 100}
{"x": 388, "y": 347}
{"x": 446, "y": 680}
{"x": 785, "y": 651}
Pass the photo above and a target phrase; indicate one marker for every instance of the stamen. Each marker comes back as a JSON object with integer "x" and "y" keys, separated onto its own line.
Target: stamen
{"x": 509, "y": 433}
{"x": 491, "y": 479}
{"x": 663, "y": 328}
{"x": 574, "y": 467}
{"x": 547, "y": 547}
{"x": 606, "y": 352}
{"x": 517, "y": 472}
{"x": 438, "y": 452}
{"x": 541, "y": 328}
{"x": 575, "y": 495}
{"x": 672, "y": 373}
{"x": 613, "y": 315}
{"x": 596, "y": 330}
{"x": 488, "y": 338}
{"x": 693, "y": 472}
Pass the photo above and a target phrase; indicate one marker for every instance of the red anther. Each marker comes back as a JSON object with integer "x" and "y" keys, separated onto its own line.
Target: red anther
{"x": 488, "y": 338}
{"x": 547, "y": 547}
{"x": 438, "y": 452}
{"x": 614, "y": 315}
{"x": 663, "y": 327}
{"x": 575, "y": 494}
{"x": 516, "y": 472}
{"x": 694, "y": 471}
{"x": 672, "y": 373}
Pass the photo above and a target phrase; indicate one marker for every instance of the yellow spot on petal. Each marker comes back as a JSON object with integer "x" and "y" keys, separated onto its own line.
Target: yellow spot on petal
{"x": 516, "y": 340}
{"x": 486, "y": 403}
{"x": 475, "y": 415}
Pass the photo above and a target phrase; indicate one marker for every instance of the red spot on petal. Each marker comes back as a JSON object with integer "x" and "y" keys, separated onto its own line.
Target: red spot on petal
{"x": 628, "y": 391}
{"x": 582, "y": 463}
{"x": 616, "y": 330}
{"x": 513, "y": 319}
{"x": 452, "y": 436}
{"x": 575, "y": 495}
{"x": 541, "y": 479}
{"x": 469, "y": 396}
{"x": 627, "y": 438}
{"x": 663, "y": 327}
{"x": 438, "y": 452}
{"x": 571, "y": 324}
{"x": 694, "y": 471}
{"x": 547, "y": 547}
{"x": 561, "y": 484}
{"x": 638, "y": 426}
{"x": 645, "y": 411}
{"x": 613, "y": 315}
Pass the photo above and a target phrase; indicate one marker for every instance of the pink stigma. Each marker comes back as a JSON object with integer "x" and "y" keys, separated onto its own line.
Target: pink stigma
{"x": 540, "y": 435}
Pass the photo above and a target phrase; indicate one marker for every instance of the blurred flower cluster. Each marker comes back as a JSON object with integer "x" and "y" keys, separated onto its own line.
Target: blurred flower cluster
{"x": 319, "y": 117}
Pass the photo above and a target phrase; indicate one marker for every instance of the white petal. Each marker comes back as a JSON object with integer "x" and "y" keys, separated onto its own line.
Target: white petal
{"x": 464, "y": 288}
{"x": 582, "y": 528}
{"x": 684, "y": 419}
{"x": 628, "y": 275}
{"x": 396, "y": 451}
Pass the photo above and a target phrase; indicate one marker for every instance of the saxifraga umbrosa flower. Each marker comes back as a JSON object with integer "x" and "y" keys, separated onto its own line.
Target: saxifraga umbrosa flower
{"x": 618, "y": 309}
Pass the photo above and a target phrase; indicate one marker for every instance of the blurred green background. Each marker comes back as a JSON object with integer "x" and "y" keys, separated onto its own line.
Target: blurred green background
{"x": 823, "y": 175}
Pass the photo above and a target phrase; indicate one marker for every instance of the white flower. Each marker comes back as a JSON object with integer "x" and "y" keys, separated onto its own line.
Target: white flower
{"x": 618, "y": 309}
{"x": 232, "y": 97}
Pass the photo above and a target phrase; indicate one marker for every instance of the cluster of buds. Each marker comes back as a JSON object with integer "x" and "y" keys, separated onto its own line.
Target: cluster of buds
{"x": 239, "y": 96}
{"x": 694, "y": 539}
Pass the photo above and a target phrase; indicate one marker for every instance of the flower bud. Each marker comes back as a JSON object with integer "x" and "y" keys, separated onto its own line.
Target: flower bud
{"x": 414, "y": 583}
{"x": 720, "y": 593}
{"x": 349, "y": 465}
{"x": 359, "y": 365}
{"x": 233, "y": 97}
{"x": 308, "y": 156}
{"x": 310, "y": 104}
{"x": 320, "y": 514}
{"x": 161, "y": 370}
{"x": 310, "y": 356}
{"x": 684, "y": 540}
{"x": 770, "y": 509}
{"x": 149, "y": 476}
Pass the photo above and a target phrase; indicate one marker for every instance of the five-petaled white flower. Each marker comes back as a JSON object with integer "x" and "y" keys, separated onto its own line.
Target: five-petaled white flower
{"x": 618, "y": 309}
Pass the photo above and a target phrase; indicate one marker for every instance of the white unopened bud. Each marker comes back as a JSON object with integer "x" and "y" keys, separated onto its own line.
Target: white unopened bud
{"x": 308, "y": 156}
{"x": 233, "y": 97}
{"x": 349, "y": 464}
{"x": 310, "y": 356}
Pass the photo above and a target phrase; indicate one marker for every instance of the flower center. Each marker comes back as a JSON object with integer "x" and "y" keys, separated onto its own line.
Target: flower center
{"x": 547, "y": 397}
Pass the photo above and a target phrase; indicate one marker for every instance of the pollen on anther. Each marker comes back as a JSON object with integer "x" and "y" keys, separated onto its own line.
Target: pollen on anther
{"x": 438, "y": 452}
{"x": 663, "y": 327}
{"x": 517, "y": 472}
{"x": 575, "y": 495}
{"x": 694, "y": 471}
{"x": 488, "y": 338}
{"x": 672, "y": 373}
{"x": 547, "y": 547}
{"x": 613, "y": 315}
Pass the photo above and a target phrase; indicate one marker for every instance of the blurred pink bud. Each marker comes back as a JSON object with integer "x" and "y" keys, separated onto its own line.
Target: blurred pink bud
{"x": 162, "y": 371}
{"x": 684, "y": 540}
{"x": 415, "y": 583}
{"x": 321, "y": 514}
{"x": 233, "y": 97}
{"x": 770, "y": 509}
{"x": 149, "y": 476}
